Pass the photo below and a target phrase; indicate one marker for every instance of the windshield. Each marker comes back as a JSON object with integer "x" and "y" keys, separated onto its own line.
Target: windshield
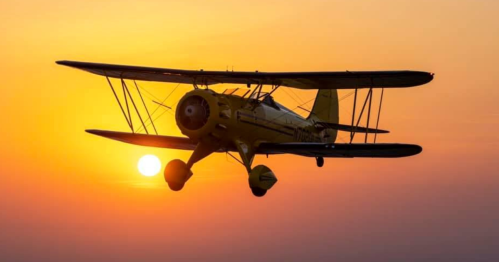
{"x": 242, "y": 92}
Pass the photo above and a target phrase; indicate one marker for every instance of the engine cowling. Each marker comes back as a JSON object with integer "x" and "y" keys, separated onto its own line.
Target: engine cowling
{"x": 201, "y": 113}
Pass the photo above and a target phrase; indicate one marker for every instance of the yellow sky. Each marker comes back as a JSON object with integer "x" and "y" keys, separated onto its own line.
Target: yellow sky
{"x": 59, "y": 185}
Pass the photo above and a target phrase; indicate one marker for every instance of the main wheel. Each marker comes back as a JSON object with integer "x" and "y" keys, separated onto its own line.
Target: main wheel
{"x": 176, "y": 186}
{"x": 176, "y": 174}
{"x": 320, "y": 161}
{"x": 261, "y": 179}
{"x": 258, "y": 192}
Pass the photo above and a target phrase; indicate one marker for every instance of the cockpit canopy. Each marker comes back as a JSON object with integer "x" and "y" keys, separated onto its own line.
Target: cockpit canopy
{"x": 243, "y": 92}
{"x": 269, "y": 100}
{"x": 266, "y": 99}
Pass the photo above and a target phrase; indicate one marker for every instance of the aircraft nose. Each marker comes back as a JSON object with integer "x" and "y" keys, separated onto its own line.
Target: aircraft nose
{"x": 193, "y": 110}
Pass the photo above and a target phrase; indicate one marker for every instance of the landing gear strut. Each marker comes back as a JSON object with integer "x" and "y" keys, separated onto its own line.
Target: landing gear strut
{"x": 320, "y": 161}
{"x": 177, "y": 172}
{"x": 261, "y": 178}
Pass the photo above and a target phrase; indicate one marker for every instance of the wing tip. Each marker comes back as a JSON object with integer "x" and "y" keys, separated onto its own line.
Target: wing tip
{"x": 430, "y": 77}
{"x": 92, "y": 131}
{"x": 412, "y": 150}
{"x": 63, "y": 62}
{"x": 98, "y": 132}
{"x": 419, "y": 149}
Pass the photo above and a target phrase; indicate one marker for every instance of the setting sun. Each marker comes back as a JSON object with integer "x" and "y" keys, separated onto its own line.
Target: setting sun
{"x": 149, "y": 165}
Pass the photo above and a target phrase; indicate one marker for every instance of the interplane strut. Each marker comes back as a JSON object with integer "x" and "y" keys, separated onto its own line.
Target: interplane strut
{"x": 367, "y": 100}
{"x": 127, "y": 113}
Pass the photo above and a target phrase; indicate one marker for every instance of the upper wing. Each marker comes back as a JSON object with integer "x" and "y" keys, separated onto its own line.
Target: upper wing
{"x": 147, "y": 140}
{"x": 340, "y": 150}
{"x": 302, "y": 80}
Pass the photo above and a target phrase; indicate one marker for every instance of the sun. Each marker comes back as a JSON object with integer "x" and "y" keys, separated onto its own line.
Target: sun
{"x": 149, "y": 165}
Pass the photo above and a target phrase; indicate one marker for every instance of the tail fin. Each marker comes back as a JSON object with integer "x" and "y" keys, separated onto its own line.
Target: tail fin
{"x": 326, "y": 110}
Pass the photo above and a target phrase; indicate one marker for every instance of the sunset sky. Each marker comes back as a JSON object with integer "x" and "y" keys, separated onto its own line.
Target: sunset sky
{"x": 66, "y": 195}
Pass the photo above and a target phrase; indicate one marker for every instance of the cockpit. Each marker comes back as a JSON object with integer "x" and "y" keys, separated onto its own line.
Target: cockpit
{"x": 243, "y": 92}
{"x": 267, "y": 99}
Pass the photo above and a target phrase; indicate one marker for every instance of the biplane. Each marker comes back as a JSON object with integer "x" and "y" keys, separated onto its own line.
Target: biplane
{"x": 248, "y": 121}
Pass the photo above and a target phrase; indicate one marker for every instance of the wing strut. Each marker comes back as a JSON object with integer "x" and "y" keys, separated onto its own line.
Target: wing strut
{"x": 128, "y": 95}
{"x": 379, "y": 113}
{"x": 369, "y": 98}
{"x": 127, "y": 107}
{"x": 361, "y": 113}
{"x": 147, "y": 110}
{"x": 134, "y": 106}
{"x": 353, "y": 115}
{"x": 369, "y": 111}
{"x": 119, "y": 103}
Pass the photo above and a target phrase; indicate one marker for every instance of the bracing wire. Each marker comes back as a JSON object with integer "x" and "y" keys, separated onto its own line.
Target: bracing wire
{"x": 292, "y": 92}
{"x": 157, "y": 107}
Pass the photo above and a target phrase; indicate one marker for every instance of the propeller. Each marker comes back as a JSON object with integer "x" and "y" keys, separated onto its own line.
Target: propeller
{"x": 194, "y": 112}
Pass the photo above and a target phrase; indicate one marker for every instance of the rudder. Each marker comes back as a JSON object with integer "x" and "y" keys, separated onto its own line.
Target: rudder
{"x": 326, "y": 109}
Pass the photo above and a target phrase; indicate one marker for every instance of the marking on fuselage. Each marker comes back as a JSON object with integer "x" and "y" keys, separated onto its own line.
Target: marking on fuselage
{"x": 266, "y": 127}
{"x": 304, "y": 135}
{"x": 265, "y": 120}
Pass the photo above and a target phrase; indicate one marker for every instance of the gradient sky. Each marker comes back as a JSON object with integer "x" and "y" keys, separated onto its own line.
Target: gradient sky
{"x": 67, "y": 195}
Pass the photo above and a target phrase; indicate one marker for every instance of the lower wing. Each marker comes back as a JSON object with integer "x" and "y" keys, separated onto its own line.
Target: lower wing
{"x": 147, "y": 140}
{"x": 303, "y": 149}
{"x": 340, "y": 150}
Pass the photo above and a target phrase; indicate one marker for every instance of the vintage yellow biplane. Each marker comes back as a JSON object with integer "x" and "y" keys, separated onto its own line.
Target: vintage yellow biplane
{"x": 249, "y": 121}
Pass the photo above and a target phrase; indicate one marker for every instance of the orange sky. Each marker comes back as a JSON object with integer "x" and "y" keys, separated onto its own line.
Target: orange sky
{"x": 68, "y": 195}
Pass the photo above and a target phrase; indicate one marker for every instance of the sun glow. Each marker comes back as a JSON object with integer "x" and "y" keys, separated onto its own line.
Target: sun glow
{"x": 149, "y": 165}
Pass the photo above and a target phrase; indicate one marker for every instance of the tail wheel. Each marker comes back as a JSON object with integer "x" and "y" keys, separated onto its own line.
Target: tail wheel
{"x": 320, "y": 161}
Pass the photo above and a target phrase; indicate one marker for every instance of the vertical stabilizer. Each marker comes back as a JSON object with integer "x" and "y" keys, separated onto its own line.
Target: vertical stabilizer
{"x": 326, "y": 109}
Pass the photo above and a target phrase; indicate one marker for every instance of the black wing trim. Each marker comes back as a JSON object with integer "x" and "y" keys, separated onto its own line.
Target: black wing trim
{"x": 301, "y": 80}
{"x": 340, "y": 150}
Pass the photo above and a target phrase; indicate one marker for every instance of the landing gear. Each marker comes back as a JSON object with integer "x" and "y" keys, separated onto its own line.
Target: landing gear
{"x": 261, "y": 179}
{"x": 176, "y": 174}
{"x": 320, "y": 161}
{"x": 258, "y": 192}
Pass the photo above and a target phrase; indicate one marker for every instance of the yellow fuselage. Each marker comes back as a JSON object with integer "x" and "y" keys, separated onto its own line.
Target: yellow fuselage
{"x": 232, "y": 118}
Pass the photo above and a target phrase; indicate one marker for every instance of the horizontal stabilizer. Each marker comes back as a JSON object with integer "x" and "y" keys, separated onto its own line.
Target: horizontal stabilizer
{"x": 349, "y": 128}
{"x": 340, "y": 150}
